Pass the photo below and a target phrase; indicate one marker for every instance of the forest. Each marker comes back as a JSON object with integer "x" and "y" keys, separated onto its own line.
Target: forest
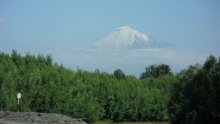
{"x": 189, "y": 96}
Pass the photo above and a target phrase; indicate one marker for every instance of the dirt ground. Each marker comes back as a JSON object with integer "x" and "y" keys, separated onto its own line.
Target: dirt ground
{"x": 36, "y": 118}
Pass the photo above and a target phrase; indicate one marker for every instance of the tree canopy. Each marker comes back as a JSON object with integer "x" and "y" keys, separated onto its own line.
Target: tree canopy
{"x": 195, "y": 99}
{"x": 119, "y": 74}
{"x": 156, "y": 71}
{"x": 190, "y": 96}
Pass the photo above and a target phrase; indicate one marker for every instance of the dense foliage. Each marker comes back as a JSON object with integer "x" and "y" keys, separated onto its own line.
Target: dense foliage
{"x": 156, "y": 71}
{"x": 48, "y": 87}
{"x": 196, "y": 98}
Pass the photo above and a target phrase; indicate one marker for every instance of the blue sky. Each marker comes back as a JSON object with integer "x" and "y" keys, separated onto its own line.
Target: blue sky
{"x": 39, "y": 26}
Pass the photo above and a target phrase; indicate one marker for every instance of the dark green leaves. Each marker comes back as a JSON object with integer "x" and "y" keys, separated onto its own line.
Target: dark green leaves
{"x": 196, "y": 98}
{"x": 119, "y": 74}
{"x": 156, "y": 71}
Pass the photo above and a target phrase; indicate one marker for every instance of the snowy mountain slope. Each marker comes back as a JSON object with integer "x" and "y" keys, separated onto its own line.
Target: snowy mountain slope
{"x": 128, "y": 38}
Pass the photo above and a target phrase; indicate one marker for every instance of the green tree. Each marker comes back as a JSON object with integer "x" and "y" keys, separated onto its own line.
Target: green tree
{"x": 119, "y": 74}
{"x": 48, "y": 87}
{"x": 196, "y": 98}
{"x": 156, "y": 71}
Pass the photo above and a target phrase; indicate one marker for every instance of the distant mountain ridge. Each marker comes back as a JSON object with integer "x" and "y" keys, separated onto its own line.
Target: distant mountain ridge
{"x": 128, "y": 38}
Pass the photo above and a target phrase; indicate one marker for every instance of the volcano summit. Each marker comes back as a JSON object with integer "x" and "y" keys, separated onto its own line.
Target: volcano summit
{"x": 128, "y": 38}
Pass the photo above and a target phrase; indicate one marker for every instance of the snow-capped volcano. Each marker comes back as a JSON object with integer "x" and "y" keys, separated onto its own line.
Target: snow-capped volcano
{"x": 128, "y": 38}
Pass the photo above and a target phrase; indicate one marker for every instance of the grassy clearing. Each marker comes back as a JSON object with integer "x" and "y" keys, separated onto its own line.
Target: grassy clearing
{"x": 109, "y": 122}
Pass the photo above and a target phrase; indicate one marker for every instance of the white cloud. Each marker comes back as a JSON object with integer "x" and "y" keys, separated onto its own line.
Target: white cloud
{"x": 130, "y": 61}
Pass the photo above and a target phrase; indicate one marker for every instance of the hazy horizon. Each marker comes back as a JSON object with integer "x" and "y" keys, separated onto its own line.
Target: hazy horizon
{"x": 68, "y": 29}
